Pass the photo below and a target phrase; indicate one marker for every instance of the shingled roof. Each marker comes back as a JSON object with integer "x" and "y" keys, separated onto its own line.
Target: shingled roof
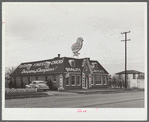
{"x": 129, "y": 72}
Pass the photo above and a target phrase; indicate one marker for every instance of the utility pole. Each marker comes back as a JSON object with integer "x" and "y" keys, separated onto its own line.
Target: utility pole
{"x": 126, "y": 56}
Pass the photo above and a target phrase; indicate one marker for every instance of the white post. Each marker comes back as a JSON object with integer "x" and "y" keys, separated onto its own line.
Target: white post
{"x": 83, "y": 80}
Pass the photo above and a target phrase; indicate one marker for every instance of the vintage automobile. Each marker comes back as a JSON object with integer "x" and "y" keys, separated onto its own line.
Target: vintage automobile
{"x": 38, "y": 85}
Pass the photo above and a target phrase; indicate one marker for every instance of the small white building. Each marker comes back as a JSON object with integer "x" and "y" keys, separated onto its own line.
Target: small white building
{"x": 140, "y": 81}
{"x": 135, "y": 79}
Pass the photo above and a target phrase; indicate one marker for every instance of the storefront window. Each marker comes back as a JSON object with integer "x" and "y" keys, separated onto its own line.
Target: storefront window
{"x": 73, "y": 80}
{"x": 67, "y": 82}
{"x": 78, "y": 80}
{"x": 97, "y": 80}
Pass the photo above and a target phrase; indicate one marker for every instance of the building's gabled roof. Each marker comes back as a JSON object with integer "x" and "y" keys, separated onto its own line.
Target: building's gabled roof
{"x": 55, "y": 65}
{"x": 129, "y": 72}
{"x": 100, "y": 69}
{"x": 40, "y": 67}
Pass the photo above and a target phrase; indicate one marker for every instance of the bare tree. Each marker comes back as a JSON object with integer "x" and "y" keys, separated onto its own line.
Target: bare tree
{"x": 115, "y": 81}
{"x": 8, "y": 72}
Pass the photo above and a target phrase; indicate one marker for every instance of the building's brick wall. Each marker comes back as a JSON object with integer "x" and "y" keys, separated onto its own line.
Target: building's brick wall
{"x": 25, "y": 80}
{"x": 41, "y": 78}
{"x": 32, "y": 78}
{"x": 51, "y": 78}
{"x": 18, "y": 81}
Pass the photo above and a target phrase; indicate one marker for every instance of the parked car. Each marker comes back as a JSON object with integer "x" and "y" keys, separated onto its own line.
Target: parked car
{"x": 39, "y": 85}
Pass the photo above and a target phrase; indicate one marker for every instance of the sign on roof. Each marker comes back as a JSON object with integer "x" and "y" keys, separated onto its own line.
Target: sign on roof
{"x": 40, "y": 67}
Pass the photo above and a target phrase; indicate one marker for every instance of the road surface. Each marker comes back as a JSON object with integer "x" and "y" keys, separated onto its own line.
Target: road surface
{"x": 115, "y": 100}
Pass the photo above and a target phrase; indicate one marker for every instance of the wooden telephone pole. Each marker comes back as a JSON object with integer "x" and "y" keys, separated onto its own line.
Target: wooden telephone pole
{"x": 126, "y": 56}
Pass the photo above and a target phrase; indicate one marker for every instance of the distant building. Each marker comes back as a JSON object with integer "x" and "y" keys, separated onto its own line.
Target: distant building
{"x": 62, "y": 72}
{"x": 134, "y": 78}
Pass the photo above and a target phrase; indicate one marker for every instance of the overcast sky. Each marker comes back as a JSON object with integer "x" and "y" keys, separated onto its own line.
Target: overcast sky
{"x": 39, "y": 31}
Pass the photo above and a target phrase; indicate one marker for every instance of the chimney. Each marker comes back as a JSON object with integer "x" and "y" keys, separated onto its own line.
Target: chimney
{"x": 88, "y": 58}
{"x": 59, "y": 55}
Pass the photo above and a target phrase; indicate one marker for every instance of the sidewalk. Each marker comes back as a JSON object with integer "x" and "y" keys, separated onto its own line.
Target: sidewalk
{"x": 74, "y": 92}
{"x": 103, "y": 90}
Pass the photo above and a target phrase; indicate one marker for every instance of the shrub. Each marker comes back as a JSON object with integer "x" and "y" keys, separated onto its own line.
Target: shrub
{"x": 60, "y": 89}
{"x": 19, "y": 91}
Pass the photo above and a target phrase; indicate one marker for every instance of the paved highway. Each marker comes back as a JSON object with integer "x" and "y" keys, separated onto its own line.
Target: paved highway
{"x": 115, "y": 100}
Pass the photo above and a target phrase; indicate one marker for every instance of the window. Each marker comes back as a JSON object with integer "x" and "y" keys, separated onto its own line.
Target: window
{"x": 78, "y": 80}
{"x": 104, "y": 80}
{"x": 95, "y": 65}
{"x": 67, "y": 82}
{"x": 37, "y": 78}
{"x": 73, "y": 63}
{"x": 97, "y": 80}
{"x": 120, "y": 76}
{"x": 73, "y": 80}
{"x": 134, "y": 76}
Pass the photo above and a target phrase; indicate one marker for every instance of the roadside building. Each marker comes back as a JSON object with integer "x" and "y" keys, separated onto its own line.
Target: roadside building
{"x": 140, "y": 81}
{"x": 62, "y": 72}
{"x": 135, "y": 79}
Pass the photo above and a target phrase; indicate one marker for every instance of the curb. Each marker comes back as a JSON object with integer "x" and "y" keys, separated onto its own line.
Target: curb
{"x": 26, "y": 96}
{"x": 108, "y": 92}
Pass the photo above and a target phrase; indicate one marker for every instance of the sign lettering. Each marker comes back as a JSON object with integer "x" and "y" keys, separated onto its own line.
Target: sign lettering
{"x": 25, "y": 65}
{"x": 100, "y": 71}
{"x": 73, "y": 69}
{"x": 48, "y": 63}
{"x": 38, "y": 70}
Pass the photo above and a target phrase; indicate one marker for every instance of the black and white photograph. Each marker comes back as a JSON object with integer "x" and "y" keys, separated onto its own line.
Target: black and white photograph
{"x": 74, "y": 61}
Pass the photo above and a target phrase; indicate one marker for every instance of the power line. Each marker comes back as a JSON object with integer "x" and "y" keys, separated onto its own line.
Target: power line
{"x": 125, "y": 56}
